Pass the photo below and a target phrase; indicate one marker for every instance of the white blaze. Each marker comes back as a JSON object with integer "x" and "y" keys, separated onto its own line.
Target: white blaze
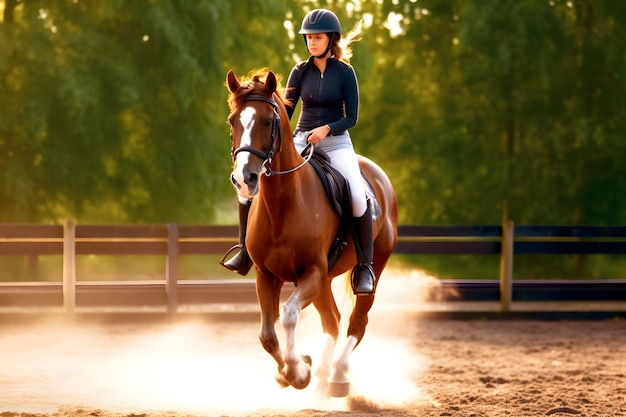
{"x": 246, "y": 118}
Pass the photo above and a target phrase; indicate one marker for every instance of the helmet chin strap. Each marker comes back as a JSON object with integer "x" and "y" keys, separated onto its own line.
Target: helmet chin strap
{"x": 330, "y": 42}
{"x": 326, "y": 50}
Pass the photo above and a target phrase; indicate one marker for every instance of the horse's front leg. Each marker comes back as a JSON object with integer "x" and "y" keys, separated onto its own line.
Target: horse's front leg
{"x": 268, "y": 292}
{"x": 297, "y": 371}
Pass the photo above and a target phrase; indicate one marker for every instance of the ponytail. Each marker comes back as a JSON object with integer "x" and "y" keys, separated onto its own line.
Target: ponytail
{"x": 341, "y": 47}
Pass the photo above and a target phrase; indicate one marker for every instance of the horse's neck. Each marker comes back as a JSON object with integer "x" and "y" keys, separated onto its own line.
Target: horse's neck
{"x": 287, "y": 158}
{"x": 285, "y": 189}
{"x": 285, "y": 193}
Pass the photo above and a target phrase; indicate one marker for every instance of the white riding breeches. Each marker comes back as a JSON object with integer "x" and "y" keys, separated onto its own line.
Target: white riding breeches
{"x": 343, "y": 158}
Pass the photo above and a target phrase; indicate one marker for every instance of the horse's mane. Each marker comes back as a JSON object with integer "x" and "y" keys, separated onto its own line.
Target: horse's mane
{"x": 253, "y": 83}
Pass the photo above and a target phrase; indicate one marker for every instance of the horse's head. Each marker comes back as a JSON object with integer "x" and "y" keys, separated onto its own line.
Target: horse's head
{"x": 256, "y": 132}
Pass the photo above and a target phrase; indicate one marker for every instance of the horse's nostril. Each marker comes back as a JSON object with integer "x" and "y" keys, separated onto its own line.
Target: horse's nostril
{"x": 253, "y": 178}
{"x": 234, "y": 181}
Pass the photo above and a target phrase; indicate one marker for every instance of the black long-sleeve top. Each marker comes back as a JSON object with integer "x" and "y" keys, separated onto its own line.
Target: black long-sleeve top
{"x": 331, "y": 98}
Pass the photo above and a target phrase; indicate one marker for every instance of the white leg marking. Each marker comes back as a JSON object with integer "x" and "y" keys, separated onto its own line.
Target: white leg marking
{"x": 323, "y": 371}
{"x": 297, "y": 370}
{"x": 341, "y": 368}
{"x": 289, "y": 318}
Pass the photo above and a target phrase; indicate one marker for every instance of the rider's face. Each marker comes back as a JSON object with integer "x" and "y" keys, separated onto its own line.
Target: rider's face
{"x": 317, "y": 43}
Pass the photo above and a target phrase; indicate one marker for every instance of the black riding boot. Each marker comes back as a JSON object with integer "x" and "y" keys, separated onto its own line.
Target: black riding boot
{"x": 241, "y": 262}
{"x": 362, "y": 275}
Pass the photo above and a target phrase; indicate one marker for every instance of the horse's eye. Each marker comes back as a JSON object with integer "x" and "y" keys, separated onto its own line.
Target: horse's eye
{"x": 268, "y": 122}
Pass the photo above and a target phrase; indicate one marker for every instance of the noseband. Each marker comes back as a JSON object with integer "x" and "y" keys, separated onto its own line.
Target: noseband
{"x": 277, "y": 134}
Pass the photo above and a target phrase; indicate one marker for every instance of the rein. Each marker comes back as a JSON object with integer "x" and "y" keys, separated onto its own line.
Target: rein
{"x": 269, "y": 155}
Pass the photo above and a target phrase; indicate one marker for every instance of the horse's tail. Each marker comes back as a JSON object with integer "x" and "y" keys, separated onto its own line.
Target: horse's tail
{"x": 348, "y": 293}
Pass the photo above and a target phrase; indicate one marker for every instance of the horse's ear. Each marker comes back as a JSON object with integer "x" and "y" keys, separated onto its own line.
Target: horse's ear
{"x": 232, "y": 81}
{"x": 270, "y": 83}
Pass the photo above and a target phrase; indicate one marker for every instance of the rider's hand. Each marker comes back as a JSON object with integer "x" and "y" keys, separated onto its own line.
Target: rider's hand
{"x": 318, "y": 134}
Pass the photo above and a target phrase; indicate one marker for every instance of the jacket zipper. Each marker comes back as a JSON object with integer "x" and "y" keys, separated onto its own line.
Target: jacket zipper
{"x": 319, "y": 94}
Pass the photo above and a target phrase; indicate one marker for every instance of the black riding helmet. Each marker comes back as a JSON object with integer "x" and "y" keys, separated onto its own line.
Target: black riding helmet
{"x": 321, "y": 21}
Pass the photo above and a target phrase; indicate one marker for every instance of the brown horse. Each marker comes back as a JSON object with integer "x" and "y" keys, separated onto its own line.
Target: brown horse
{"x": 291, "y": 227}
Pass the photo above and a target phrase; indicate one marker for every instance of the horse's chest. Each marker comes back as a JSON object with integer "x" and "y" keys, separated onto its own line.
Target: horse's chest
{"x": 286, "y": 259}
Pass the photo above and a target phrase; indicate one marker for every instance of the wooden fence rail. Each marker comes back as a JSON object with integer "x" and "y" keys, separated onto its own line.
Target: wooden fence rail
{"x": 172, "y": 240}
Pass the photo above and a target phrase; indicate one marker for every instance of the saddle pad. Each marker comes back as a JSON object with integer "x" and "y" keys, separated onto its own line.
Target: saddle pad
{"x": 335, "y": 184}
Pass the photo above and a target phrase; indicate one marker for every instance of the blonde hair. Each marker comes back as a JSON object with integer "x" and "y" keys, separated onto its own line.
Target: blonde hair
{"x": 341, "y": 48}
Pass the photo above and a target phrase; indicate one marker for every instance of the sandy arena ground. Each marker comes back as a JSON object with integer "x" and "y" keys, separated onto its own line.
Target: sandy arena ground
{"x": 406, "y": 366}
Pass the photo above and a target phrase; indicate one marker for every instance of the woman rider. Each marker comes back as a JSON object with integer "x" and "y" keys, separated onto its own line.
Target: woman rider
{"x": 329, "y": 91}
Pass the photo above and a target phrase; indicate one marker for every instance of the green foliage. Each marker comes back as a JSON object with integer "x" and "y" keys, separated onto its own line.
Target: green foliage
{"x": 500, "y": 109}
{"x": 112, "y": 112}
{"x": 478, "y": 109}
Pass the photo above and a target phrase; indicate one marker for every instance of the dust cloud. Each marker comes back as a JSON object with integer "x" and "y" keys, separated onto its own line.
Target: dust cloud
{"x": 202, "y": 367}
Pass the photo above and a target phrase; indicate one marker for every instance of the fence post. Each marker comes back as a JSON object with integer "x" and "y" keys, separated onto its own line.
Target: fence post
{"x": 506, "y": 265}
{"x": 69, "y": 266}
{"x": 171, "y": 273}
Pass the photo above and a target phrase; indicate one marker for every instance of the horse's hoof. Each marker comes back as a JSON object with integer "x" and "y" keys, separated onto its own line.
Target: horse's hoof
{"x": 338, "y": 389}
{"x": 282, "y": 382}
{"x": 304, "y": 382}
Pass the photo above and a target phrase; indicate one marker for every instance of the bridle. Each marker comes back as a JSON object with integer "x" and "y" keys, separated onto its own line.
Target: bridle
{"x": 276, "y": 136}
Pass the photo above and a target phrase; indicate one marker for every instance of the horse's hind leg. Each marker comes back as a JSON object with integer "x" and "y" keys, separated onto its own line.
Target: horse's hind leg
{"x": 330, "y": 317}
{"x": 339, "y": 383}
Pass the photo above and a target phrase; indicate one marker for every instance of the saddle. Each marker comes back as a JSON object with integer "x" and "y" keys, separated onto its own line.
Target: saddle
{"x": 338, "y": 193}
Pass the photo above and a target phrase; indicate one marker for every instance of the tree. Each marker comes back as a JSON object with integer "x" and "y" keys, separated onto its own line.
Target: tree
{"x": 478, "y": 109}
{"x": 116, "y": 111}
{"x": 480, "y": 104}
